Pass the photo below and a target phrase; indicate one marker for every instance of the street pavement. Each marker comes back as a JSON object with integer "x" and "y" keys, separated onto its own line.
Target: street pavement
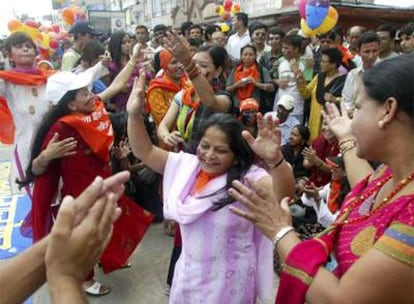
{"x": 144, "y": 282}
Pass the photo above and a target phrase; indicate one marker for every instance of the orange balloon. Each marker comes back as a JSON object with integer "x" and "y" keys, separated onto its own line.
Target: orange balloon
{"x": 13, "y": 25}
{"x": 68, "y": 16}
{"x": 225, "y": 16}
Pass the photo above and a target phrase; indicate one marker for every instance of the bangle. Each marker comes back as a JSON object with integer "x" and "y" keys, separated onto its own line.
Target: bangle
{"x": 344, "y": 149}
{"x": 347, "y": 138}
{"x": 281, "y": 234}
{"x": 130, "y": 63}
{"x": 275, "y": 165}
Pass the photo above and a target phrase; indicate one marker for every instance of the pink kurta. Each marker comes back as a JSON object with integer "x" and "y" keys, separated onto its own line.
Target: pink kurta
{"x": 224, "y": 259}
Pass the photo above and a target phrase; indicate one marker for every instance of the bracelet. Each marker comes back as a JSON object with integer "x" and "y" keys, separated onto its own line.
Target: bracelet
{"x": 132, "y": 64}
{"x": 281, "y": 234}
{"x": 347, "y": 138}
{"x": 346, "y": 148}
{"x": 275, "y": 165}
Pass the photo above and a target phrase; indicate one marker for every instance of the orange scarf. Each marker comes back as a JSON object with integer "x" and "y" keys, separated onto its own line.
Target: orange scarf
{"x": 26, "y": 78}
{"x": 202, "y": 180}
{"x": 94, "y": 128}
{"x": 164, "y": 82}
{"x": 188, "y": 99}
{"x": 240, "y": 73}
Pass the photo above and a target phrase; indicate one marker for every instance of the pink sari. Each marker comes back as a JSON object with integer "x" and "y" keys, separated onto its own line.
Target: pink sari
{"x": 390, "y": 230}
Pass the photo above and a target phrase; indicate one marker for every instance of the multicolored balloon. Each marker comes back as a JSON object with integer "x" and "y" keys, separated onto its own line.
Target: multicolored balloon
{"x": 306, "y": 30}
{"x": 329, "y": 22}
{"x": 315, "y": 13}
{"x": 302, "y": 8}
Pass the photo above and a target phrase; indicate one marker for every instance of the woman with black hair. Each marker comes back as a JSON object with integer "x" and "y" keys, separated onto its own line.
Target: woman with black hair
{"x": 120, "y": 49}
{"x": 325, "y": 87}
{"x": 223, "y": 259}
{"x": 193, "y": 105}
{"x": 292, "y": 151}
{"x": 92, "y": 53}
{"x": 249, "y": 79}
{"x": 79, "y": 114}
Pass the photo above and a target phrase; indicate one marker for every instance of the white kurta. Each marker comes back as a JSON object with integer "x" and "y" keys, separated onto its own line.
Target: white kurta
{"x": 27, "y": 105}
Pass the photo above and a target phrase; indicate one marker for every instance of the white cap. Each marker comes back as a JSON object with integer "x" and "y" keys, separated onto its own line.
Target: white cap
{"x": 62, "y": 82}
{"x": 286, "y": 101}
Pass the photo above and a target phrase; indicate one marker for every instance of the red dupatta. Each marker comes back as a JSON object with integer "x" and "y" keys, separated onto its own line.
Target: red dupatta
{"x": 240, "y": 73}
{"x": 95, "y": 129}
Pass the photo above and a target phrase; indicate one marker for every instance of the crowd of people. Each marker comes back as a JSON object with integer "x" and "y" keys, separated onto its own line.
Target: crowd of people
{"x": 292, "y": 153}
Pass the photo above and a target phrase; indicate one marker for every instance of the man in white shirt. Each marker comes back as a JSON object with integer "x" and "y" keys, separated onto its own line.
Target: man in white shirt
{"x": 368, "y": 50}
{"x": 240, "y": 38}
{"x": 258, "y": 33}
{"x": 288, "y": 70}
{"x": 284, "y": 108}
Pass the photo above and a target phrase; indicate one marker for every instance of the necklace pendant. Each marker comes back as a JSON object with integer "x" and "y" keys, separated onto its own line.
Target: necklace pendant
{"x": 35, "y": 93}
{"x": 31, "y": 110}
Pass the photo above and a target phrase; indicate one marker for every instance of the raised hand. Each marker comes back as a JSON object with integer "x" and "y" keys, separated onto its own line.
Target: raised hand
{"x": 338, "y": 122}
{"x": 310, "y": 155}
{"x": 57, "y": 149}
{"x": 173, "y": 139}
{"x": 138, "y": 54}
{"x": 268, "y": 140}
{"x": 136, "y": 99}
{"x": 178, "y": 46}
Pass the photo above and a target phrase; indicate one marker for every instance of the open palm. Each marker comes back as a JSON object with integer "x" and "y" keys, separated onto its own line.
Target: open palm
{"x": 338, "y": 122}
{"x": 268, "y": 140}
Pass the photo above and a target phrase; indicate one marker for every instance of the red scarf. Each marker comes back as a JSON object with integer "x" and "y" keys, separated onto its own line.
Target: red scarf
{"x": 26, "y": 78}
{"x": 240, "y": 73}
{"x": 6, "y": 123}
{"x": 95, "y": 129}
{"x": 165, "y": 83}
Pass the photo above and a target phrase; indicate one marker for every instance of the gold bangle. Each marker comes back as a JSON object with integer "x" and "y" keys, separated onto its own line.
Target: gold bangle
{"x": 346, "y": 139}
{"x": 345, "y": 148}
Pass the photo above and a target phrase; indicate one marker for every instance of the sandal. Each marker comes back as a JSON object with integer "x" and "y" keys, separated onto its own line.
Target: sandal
{"x": 126, "y": 265}
{"x": 97, "y": 289}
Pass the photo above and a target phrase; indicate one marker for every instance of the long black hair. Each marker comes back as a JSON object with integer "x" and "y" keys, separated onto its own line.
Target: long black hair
{"x": 115, "y": 47}
{"x": 56, "y": 112}
{"x": 244, "y": 156}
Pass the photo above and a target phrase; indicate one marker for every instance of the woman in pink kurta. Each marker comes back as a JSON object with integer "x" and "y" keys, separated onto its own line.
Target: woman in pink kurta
{"x": 224, "y": 259}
